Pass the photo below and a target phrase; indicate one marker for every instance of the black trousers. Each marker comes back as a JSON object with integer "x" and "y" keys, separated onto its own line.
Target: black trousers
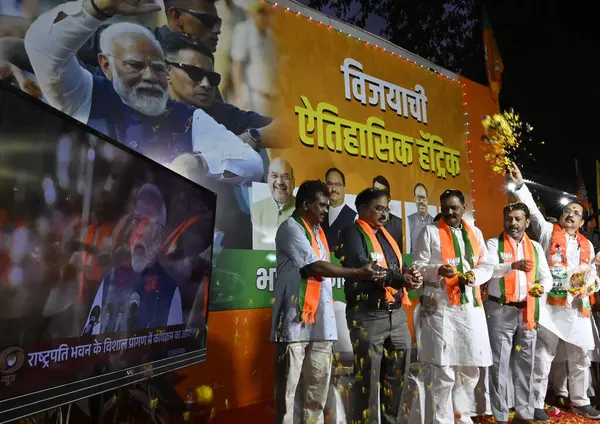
{"x": 381, "y": 342}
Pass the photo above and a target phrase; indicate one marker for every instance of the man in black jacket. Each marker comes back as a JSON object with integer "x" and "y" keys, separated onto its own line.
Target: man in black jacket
{"x": 376, "y": 319}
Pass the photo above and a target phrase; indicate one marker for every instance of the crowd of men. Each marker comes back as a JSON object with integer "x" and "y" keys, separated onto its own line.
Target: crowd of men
{"x": 493, "y": 317}
{"x": 156, "y": 91}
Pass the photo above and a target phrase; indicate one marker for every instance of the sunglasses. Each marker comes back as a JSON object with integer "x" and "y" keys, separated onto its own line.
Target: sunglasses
{"x": 197, "y": 74}
{"x": 208, "y": 20}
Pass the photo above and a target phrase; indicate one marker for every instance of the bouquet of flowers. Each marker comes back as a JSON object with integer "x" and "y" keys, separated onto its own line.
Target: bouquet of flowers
{"x": 505, "y": 133}
{"x": 582, "y": 282}
{"x": 536, "y": 290}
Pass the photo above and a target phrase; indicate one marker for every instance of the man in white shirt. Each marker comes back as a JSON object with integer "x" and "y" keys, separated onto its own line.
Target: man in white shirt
{"x": 453, "y": 338}
{"x": 131, "y": 103}
{"x": 512, "y": 312}
{"x": 269, "y": 213}
{"x": 562, "y": 315}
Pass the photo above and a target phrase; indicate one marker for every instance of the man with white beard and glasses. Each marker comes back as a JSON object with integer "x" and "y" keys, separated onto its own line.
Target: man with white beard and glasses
{"x": 131, "y": 103}
{"x": 140, "y": 294}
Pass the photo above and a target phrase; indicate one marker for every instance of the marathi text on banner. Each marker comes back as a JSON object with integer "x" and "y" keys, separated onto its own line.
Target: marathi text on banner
{"x": 372, "y": 140}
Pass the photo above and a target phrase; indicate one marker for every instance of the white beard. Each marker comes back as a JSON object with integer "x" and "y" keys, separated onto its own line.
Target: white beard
{"x": 146, "y": 105}
{"x": 139, "y": 263}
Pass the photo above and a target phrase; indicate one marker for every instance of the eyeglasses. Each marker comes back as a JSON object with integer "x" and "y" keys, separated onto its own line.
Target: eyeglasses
{"x": 198, "y": 74}
{"x": 133, "y": 66}
{"x": 573, "y": 212}
{"x": 382, "y": 209}
{"x": 208, "y": 20}
{"x": 284, "y": 177}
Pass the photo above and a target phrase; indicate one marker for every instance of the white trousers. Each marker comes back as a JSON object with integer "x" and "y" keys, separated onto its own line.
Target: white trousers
{"x": 559, "y": 376}
{"x": 450, "y": 394}
{"x": 578, "y": 364}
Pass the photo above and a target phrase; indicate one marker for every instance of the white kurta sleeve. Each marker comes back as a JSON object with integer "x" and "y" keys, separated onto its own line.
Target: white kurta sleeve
{"x": 541, "y": 228}
{"x": 175, "y": 311}
{"x": 543, "y": 268}
{"x": 593, "y": 264}
{"x": 224, "y": 152}
{"x": 51, "y": 43}
{"x": 483, "y": 272}
{"x": 422, "y": 257}
{"x": 500, "y": 270}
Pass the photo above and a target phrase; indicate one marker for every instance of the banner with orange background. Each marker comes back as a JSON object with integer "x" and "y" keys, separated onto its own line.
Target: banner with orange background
{"x": 367, "y": 112}
{"x": 345, "y": 104}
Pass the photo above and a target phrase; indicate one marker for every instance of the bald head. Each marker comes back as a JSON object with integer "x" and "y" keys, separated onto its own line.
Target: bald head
{"x": 281, "y": 180}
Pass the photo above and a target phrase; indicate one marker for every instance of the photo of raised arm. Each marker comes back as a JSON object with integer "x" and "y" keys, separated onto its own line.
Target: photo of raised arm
{"x": 129, "y": 101}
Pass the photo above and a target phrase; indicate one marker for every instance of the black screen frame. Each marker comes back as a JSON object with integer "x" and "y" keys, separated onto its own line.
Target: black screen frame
{"x": 25, "y": 405}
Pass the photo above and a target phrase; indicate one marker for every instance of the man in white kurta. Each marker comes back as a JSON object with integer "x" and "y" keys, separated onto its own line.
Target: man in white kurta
{"x": 453, "y": 340}
{"x": 560, "y": 324}
{"x": 511, "y": 312}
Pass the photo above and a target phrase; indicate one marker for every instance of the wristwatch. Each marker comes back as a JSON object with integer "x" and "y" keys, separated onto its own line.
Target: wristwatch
{"x": 254, "y": 135}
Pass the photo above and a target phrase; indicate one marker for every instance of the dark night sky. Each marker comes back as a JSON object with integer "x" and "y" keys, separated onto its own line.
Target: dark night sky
{"x": 550, "y": 52}
{"x": 549, "y": 56}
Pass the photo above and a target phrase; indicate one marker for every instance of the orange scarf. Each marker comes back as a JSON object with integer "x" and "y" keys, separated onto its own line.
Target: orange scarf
{"x": 310, "y": 288}
{"x": 557, "y": 256}
{"x": 451, "y": 255}
{"x": 508, "y": 284}
{"x": 375, "y": 251}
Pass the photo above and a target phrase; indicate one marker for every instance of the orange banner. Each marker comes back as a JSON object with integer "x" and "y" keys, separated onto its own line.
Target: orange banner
{"x": 367, "y": 112}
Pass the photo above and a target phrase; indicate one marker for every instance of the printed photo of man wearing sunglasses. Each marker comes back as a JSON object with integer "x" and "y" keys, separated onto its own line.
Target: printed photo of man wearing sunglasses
{"x": 192, "y": 80}
{"x": 198, "y": 18}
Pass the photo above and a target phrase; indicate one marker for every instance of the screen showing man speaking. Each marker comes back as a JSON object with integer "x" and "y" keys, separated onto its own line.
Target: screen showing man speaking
{"x": 105, "y": 256}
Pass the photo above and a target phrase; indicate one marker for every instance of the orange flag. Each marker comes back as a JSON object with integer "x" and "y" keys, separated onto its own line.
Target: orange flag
{"x": 493, "y": 61}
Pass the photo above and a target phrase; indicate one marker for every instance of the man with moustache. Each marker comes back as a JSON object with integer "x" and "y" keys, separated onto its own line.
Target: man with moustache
{"x": 130, "y": 104}
{"x": 376, "y": 319}
{"x": 564, "y": 318}
{"x": 512, "y": 312}
{"x": 303, "y": 325}
{"x": 140, "y": 294}
{"x": 269, "y": 213}
{"x": 339, "y": 215}
{"x": 394, "y": 223}
{"x": 418, "y": 220}
{"x": 453, "y": 338}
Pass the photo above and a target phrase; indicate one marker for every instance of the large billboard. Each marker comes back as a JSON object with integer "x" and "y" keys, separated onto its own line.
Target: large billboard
{"x": 325, "y": 105}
